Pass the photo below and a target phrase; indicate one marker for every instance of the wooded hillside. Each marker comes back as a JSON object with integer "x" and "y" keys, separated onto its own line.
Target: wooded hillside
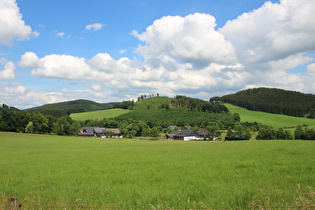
{"x": 272, "y": 100}
{"x": 180, "y": 111}
{"x": 74, "y": 106}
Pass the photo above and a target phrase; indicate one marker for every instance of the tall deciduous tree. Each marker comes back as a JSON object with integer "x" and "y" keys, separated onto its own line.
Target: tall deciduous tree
{"x": 155, "y": 132}
{"x": 298, "y": 133}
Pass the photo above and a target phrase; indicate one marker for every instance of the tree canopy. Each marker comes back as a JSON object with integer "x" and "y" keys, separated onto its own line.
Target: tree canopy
{"x": 272, "y": 100}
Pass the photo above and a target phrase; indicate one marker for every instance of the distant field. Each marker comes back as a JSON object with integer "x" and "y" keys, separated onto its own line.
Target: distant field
{"x": 109, "y": 113}
{"x": 72, "y": 172}
{"x": 274, "y": 120}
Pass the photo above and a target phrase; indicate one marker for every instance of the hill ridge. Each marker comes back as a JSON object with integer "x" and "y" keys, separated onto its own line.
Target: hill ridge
{"x": 272, "y": 100}
{"x": 78, "y": 105}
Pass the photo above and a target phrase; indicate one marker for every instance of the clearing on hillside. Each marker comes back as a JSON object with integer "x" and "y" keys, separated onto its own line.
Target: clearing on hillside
{"x": 110, "y": 113}
{"x": 274, "y": 120}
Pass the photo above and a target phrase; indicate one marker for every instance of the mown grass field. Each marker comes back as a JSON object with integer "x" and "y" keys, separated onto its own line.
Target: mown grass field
{"x": 109, "y": 113}
{"x": 274, "y": 120}
{"x": 72, "y": 172}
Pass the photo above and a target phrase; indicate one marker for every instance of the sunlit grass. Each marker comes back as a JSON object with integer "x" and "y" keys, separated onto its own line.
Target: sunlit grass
{"x": 92, "y": 172}
{"x": 109, "y": 113}
{"x": 274, "y": 120}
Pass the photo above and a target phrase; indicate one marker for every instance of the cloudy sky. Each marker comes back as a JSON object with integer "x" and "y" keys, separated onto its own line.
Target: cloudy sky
{"x": 114, "y": 50}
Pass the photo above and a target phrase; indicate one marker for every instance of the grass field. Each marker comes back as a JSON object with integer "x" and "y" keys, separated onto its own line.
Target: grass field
{"x": 274, "y": 120}
{"x": 72, "y": 172}
{"x": 109, "y": 113}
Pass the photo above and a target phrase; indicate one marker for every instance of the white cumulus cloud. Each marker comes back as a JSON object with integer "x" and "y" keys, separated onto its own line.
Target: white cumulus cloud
{"x": 8, "y": 72}
{"x": 20, "y": 89}
{"x": 94, "y": 26}
{"x": 29, "y": 60}
{"x": 12, "y": 26}
{"x": 191, "y": 39}
{"x": 58, "y": 66}
{"x": 96, "y": 87}
{"x": 60, "y": 34}
{"x": 274, "y": 31}
{"x": 311, "y": 71}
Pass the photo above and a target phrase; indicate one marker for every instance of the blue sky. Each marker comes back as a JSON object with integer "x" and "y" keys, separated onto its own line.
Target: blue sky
{"x": 53, "y": 51}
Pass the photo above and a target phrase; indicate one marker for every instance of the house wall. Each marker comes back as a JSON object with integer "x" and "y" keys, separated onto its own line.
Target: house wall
{"x": 178, "y": 138}
{"x": 189, "y": 138}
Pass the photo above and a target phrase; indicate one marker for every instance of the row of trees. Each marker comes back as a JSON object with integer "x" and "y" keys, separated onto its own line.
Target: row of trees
{"x": 145, "y": 96}
{"x": 22, "y": 121}
{"x": 6, "y": 107}
{"x": 198, "y": 105}
{"x": 269, "y": 133}
{"x": 239, "y": 132}
{"x": 272, "y": 100}
{"x": 128, "y": 127}
{"x": 304, "y": 134}
{"x": 124, "y": 105}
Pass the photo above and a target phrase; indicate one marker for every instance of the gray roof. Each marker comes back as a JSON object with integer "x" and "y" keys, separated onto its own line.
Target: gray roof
{"x": 88, "y": 129}
{"x": 184, "y": 133}
{"x": 203, "y": 132}
{"x": 174, "y": 132}
{"x": 94, "y": 130}
{"x": 114, "y": 130}
{"x": 99, "y": 130}
{"x": 172, "y": 127}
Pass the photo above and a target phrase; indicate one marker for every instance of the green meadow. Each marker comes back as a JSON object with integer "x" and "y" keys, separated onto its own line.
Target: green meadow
{"x": 46, "y": 171}
{"x": 109, "y": 113}
{"x": 274, "y": 120}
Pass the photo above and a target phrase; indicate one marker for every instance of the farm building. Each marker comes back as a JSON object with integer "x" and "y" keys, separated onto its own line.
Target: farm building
{"x": 97, "y": 131}
{"x": 171, "y": 135}
{"x": 186, "y": 135}
{"x": 101, "y": 132}
{"x": 172, "y": 127}
{"x": 203, "y": 133}
{"x": 115, "y": 131}
{"x": 81, "y": 134}
{"x": 87, "y": 130}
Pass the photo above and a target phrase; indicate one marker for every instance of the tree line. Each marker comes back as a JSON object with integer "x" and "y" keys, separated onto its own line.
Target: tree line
{"x": 145, "y": 96}
{"x": 6, "y": 107}
{"x": 124, "y": 105}
{"x": 300, "y": 133}
{"x": 198, "y": 105}
{"x": 272, "y": 100}
{"x": 22, "y": 121}
{"x": 73, "y": 106}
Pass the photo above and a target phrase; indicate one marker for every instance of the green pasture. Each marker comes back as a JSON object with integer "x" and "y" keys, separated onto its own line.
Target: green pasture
{"x": 71, "y": 172}
{"x": 109, "y": 113}
{"x": 274, "y": 120}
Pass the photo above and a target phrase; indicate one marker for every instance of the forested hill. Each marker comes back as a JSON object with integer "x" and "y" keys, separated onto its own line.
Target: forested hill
{"x": 74, "y": 106}
{"x": 272, "y": 100}
{"x": 180, "y": 111}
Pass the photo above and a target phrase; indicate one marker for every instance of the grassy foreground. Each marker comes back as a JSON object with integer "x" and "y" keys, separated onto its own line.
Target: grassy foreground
{"x": 109, "y": 113}
{"x": 62, "y": 172}
{"x": 274, "y": 120}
